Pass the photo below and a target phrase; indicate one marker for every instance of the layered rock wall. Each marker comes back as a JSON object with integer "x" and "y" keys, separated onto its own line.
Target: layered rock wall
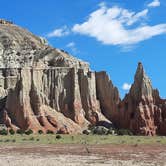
{"x": 45, "y": 88}
{"x": 69, "y": 91}
{"x": 142, "y": 110}
{"x": 108, "y": 96}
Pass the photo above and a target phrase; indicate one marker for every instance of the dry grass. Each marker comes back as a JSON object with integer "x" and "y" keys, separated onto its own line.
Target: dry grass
{"x": 81, "y": 139}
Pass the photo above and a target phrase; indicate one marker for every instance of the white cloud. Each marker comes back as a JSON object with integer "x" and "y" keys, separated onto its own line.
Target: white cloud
{"x": 155, "y": 3}
{"x": 64, "y": 31}
{"x": 114, "y": 26}
{"x": 73, "y": 48}
{"x": 71, "y": 44}
{"x": 126, "y": 86}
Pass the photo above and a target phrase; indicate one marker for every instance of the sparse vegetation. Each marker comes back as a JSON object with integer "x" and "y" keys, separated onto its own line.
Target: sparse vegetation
{"x": 87, "y": 132}
{"x": 32, "y": 139}
{"x": 58, "y": 136}
{"x": 81, "y": 139}
{"x": 13, "y": 140}
{"x": 40, "y": 132}
{"x": 11, "y": 131}
{"x": 3, "y": 132}
{"x": 19, "y": 131}
{"x": 28, "y": 132}
{"x": 7, "y": 140}
{"x": 49, "y": 132}
{"x": 124, "y": 132}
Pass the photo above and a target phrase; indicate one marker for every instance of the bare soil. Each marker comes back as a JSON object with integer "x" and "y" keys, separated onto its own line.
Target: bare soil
{"x": 73, "y": 155}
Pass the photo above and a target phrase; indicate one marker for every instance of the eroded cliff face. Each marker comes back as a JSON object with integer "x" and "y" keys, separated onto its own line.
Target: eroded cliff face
{"x": 142, "y": 110}
{"x": 107, "y": 95}
{"x": 44, "y": 88}
{"x": 38, "y": 95}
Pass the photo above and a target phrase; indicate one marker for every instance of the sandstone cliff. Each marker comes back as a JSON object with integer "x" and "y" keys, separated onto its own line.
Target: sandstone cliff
{"x": 45, "y": 88}
{"x": 142, "y": 110}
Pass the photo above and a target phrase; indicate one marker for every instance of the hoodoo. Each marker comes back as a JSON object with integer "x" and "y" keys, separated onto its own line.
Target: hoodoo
{"x": 142, "y": 110}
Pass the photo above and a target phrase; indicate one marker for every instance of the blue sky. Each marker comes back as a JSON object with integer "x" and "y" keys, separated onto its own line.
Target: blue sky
{"x": 110, "y": 35}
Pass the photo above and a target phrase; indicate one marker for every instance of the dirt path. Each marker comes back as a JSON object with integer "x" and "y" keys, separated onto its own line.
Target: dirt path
{"x": 50, "y": 155}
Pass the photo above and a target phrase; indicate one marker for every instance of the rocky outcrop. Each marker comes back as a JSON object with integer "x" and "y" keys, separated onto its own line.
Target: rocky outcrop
{"x": 2, "y": 21}
{"x": 107, "y": 95}
{"x": 45, "y": 88}
{"x": 67, "y": 92}
{"x": 142, "y": 110}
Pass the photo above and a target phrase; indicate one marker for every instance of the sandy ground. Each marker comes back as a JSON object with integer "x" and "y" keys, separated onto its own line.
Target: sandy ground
{"x": 83, "y": 155}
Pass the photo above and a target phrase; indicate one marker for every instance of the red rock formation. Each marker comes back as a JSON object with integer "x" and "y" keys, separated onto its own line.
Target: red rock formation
{"x": 142, "y": 111}
{"x": 43, "y": 88}
{"x": 35, "y": 77}
{"x": 107, "y": 95}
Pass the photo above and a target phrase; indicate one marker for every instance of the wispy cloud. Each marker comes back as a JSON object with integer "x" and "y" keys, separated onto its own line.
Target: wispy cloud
{"x": 60, "y": 32}
{"x": 118, "y": 26}
{"x": 126, "y": 86}
{"x": 71, "y": 44}
{"x": 155, "y": 3}
{"x": 73, "y": 48}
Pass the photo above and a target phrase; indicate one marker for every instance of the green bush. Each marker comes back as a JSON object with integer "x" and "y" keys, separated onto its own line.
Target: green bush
{"x": 7, "y": 140}
{"x": 3, "y": 132}
{"x": 86, "y": 132}
{"x": 112, "y": 132}
{"x": 40, "y": 132}
{"x": 58, "y": 137}
{"x": 13, "y": 140}
{"x": 99, "y": 130}
{"x": 32, "y": 139}
{"x": 28, "y": 132}
{"x": 49, "y": 132}
{"x": 124, "y": 132}
{"x": 19, "y": 131}
{"x": 11, "y": 131}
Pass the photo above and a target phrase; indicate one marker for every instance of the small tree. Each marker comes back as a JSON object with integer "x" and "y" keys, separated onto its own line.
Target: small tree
{"x": 3, "y": 132}
{"x": 19, "y": 131}
{"x": 124, "y": 132}
{"x": 40, "y": 131}
{"x": 58, "y": 136}
{"x": 49, "y": 132}
{"x": 11, "y": 131}
{"x": 28, "y": 132}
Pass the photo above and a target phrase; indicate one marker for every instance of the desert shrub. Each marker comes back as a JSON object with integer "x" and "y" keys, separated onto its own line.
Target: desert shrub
{"x": 19, "y": 131}
{"x": 13, "y": 140}
{"x": 123, "y": 142}
{"x": 40, "y": 132}
{"x": 11, "y": 131}
{"x": 32, "y": 139}
{"x": 112, "y": 131}
{"x": 24, "y": 139}
{"x": 3, "y": 132}
{"x": 7, "y": 140}
{"x": 28, "y": 132}
{"x": 49, "y": 132}
{"x": 87, "y": 132}
{"x": 100, "y": 130}
{"x": 124, "y": 132}
{"x": 58, "y": 136}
